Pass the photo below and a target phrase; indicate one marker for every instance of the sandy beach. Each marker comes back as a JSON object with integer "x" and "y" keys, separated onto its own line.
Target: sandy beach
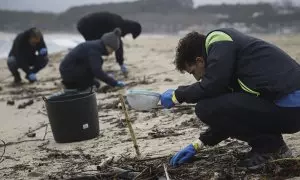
{"x": 159, "y": 133}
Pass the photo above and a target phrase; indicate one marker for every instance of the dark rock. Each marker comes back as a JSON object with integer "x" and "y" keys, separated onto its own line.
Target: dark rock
{"x": 10, "y": 102}
{"x": 25, "y": 104}
{"x": 168, "y": 80}
{"x": 31, "y": 135}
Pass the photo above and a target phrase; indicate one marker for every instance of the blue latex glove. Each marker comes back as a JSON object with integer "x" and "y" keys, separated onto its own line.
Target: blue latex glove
{"x": 183, "y": 156}
{"x": 120, "y": 84}
{"x": 43, "y": 52}
{"x": 32, "y": 77}
{"x": 124, "y": 69}
{"x": 166, "y": 99}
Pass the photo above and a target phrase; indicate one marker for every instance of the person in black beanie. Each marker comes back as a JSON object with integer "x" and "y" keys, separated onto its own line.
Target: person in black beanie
{"x": 83, "y": 64}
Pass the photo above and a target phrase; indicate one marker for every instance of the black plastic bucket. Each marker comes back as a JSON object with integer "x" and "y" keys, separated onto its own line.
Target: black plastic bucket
{"x": 73, "y": 117}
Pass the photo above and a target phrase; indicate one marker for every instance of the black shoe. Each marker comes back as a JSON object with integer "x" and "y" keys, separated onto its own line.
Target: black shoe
{"x": 255, "y": 160}
{"x": 17, "y": 80}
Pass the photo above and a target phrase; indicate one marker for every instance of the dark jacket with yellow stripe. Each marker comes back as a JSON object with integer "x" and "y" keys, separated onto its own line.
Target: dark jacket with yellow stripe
{"x": 240, "y": 62}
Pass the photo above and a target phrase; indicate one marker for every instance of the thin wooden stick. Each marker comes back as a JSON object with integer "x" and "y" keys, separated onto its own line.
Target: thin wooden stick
{"x": 133, "y": 137}
{"x": 45, "y": 132}
{"x": 105, "y": 162}
{"x": 140, "y": 174}
{"x": 178, "y": 106}
{"x": 153, "y": 158}
{"x": 285, "y": 159}
{"x": 166, "y": 172}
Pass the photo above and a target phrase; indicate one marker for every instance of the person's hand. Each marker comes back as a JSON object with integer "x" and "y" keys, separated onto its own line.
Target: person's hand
{"x": 32, "y": 77}
{"x": 186, "y": 154}
{"x": 124, "y": 69}
{"x": 168, "y": 99}
{"x": 120, "y": 84}
{"x": 43, "y": 52}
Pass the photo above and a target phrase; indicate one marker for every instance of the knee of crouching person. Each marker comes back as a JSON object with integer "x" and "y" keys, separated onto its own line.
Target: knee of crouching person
{"x": 11, "y": 60}
{"x": 202, "y": 111}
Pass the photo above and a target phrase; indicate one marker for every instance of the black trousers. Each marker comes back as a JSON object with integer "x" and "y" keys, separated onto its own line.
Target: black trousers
{"x": 81, "y": 84}
{"x": 32, "y": 65}
{"x": 259, "y": 122}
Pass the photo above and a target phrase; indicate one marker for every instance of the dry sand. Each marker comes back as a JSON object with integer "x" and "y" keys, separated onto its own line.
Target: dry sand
{"x": 146, "y": 57}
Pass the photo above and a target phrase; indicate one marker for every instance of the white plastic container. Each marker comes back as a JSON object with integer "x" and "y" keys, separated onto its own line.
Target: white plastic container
{"x": 142, "y": 100}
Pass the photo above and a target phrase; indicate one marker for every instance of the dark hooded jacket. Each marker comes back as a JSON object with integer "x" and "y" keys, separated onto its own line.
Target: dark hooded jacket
{"x": 84, "y": 63}
{"x": 24, "y": 52}
{"x": 241, "y": 63}
{"x": 94, "y": 25}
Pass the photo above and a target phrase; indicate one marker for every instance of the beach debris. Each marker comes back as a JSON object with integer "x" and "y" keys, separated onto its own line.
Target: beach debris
{"x": 25, "y": 104}
{"x": 31, "y": 135}
{"x": 133, "y": 136}
{"x": 156, "y": 133}
{"x": 10, "y": 102}
{"x": 105, "y": 162}
{"x": 168, "y": 80}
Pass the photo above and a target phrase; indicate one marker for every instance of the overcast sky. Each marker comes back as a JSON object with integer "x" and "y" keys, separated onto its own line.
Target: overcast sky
{"x": 61, "y": 5}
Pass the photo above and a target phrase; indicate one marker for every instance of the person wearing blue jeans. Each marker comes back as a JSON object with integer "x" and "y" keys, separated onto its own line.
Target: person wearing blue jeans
{"x": 29, "y": 53}
{"x": 246, "y": 89}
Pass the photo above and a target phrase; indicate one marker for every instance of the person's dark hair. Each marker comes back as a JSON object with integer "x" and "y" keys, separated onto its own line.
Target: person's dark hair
{"x": 188, "y": 48}
{"x": 35, "y": 33}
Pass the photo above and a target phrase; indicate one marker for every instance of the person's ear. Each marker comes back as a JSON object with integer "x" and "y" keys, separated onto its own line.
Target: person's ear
{"x": 200, "y": 60}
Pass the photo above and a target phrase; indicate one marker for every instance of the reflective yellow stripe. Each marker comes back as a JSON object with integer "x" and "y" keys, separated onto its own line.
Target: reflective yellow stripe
{"x": 216, "y": 36}
{"x": 174, "y": 99}
{"x": 245, "y": 88}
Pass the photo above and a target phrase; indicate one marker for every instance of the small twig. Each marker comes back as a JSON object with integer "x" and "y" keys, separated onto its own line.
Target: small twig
{"x": 133, "y": 137}
{"x": 45, "y": 132}
{"x": 2, "y": 156}
{"x": 140, "y": 173}
{"x": 121, "y": 173}
{"x": 285, "y": 159}
{"x": 43, "y": 113}
{"x": 36, "y": 129}
{"x": 19, "y": 142}
{"x": 166, "y": 172}
{"x": 84, "y": 171}
{"x": 154, "y": 158}
{"x": 11, "y": 158}
{"x": 105, "y": 162}
{"x": 178, "y": 106}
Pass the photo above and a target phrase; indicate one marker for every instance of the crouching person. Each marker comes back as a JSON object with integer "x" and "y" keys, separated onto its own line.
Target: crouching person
{"x": 246, "y": 89}
{"x": 83, "y": 65}
{"x": 29, "y": 53}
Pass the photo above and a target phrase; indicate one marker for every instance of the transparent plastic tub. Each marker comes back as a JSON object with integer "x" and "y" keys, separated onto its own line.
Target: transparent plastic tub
{"x": 142, "y": 100}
